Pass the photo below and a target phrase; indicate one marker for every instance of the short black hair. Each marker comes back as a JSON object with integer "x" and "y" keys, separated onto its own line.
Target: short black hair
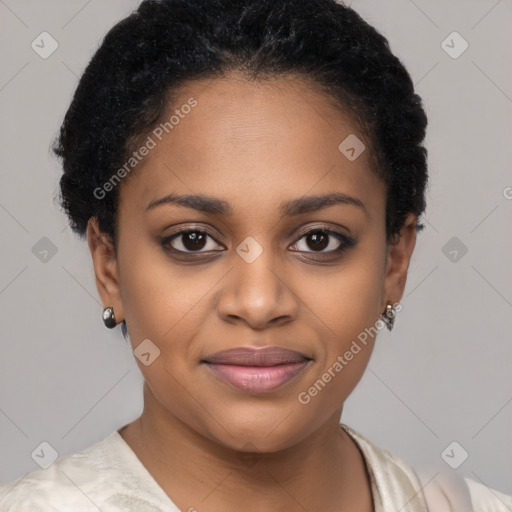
{"x": 164, "y": 44}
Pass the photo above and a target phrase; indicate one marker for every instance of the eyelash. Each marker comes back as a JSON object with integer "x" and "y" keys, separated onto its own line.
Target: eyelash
{"x": 345, "y": 242}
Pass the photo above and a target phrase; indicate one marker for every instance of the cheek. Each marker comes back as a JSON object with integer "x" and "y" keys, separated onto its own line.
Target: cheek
{"x": 348, "y": 299}
{"x": 161, "y": 301}
{"x": 167, "y": 306}
{"x": 345, "y": 307}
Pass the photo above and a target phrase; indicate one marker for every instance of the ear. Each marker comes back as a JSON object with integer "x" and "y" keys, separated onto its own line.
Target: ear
{"x": 105, "y": 268}
{"x": 398, "y": 258}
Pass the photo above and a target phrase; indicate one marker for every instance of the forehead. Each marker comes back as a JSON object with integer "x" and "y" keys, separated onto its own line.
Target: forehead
{"x": 252, "y": 141}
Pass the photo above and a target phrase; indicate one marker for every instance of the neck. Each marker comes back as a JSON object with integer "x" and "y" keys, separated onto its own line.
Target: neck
{"x": 325, "y": 471}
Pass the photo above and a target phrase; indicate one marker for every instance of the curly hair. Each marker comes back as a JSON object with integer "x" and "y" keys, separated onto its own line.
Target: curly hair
{"x": 164, "y": 44}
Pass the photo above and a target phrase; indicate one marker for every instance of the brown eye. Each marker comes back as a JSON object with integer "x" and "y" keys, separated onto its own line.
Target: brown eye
{"x": 190, "y": 241}
{"x": 318, "y": 240}
{"x": 193, "y": 241}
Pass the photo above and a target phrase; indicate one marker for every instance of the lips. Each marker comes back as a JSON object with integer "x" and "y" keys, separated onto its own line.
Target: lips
{"x": 256, "y": 370}
{"x": 267, "y": 356}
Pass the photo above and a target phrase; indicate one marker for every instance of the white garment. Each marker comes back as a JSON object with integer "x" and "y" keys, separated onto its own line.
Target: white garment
{"x": 108, "y": 477}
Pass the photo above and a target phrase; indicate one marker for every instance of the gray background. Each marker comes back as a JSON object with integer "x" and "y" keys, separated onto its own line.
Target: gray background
{"x": 442, "y": 375}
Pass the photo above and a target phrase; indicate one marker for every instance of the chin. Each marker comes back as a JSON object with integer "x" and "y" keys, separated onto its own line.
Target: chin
{"x": 264, "y": 433}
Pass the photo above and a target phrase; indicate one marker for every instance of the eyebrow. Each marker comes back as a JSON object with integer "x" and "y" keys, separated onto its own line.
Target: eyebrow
{"x": 215, "y": 206}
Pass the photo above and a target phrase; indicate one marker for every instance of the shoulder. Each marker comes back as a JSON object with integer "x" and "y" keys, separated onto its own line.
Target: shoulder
{"x": 448, "y": 491}
{"x": 104, "y": 476}
{"x": 395, "y": 485}
{"x": 486, "y": 499}
{"x": 432, "y": 488}
{"x": 64, "y": 484}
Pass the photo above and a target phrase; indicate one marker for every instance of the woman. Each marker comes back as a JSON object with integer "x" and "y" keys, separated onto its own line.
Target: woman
{"x": 250, "y": 177}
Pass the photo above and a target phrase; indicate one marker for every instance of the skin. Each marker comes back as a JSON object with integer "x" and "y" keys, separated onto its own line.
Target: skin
{"x": 254, "y": 145}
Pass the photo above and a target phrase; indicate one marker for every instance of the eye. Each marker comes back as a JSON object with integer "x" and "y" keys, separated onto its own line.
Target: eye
{"x": 191, "y": 241}
{"x": 317, "y": 240}
{"x": 321, "y": 241}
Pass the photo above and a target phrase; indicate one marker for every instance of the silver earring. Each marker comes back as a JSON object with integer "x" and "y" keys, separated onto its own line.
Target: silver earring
{"x": 109, "y": 318}
{"x": 388, "y": 316}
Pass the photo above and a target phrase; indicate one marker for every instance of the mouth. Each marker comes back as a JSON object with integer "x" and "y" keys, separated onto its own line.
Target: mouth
{"x": 257, "y": 370}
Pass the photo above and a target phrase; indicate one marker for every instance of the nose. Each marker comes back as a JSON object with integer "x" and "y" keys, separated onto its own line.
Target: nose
{"x": 257, "y": 294}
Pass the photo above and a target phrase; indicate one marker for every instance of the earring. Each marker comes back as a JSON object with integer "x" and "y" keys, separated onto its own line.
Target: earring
{"x": 388, "y": 316}
{"x": 109, "y": 318}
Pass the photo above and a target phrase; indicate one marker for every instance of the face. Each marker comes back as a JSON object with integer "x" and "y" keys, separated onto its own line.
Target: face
{"x": 260, "y": 263}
